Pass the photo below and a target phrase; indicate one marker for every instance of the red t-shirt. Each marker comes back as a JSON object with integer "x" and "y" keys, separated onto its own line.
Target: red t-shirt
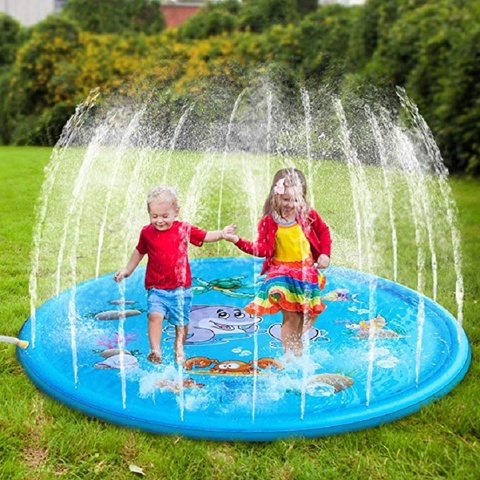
{"x": 168, "y": 266}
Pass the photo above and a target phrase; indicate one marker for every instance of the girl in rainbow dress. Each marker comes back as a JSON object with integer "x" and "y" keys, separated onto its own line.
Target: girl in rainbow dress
{"x": 295, "y": 241}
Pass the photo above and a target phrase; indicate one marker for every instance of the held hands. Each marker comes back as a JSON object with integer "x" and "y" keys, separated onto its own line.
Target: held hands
{"x": 229, "y": 233}
{"x": 323, "y": 261}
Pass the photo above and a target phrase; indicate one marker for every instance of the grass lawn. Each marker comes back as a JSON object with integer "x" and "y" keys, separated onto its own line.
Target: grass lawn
{"x": 43, "y": 439}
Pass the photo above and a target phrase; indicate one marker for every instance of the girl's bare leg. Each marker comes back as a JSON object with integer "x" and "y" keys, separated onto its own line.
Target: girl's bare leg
{"x": 292, "y": 333}
{"x": 308, "y": 322}
{"x": 180, "y": 338}
{"x": 155, "y": 320}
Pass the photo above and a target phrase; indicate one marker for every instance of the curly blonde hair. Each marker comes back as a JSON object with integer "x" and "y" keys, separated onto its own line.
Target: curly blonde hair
{"x": 163, "y": 193}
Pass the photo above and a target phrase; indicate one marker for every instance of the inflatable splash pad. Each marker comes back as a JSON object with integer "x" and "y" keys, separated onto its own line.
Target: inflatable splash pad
{"x": 379, "y": 352}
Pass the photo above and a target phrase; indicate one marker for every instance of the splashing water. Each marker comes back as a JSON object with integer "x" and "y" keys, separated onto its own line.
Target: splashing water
{"x": 449, "y": 205}
{"x": 68, "y": 136}
{"x": 376, "y": 179}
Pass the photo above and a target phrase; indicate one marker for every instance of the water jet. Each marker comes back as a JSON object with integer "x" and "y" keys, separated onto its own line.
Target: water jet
{"x": 383, "y": 348}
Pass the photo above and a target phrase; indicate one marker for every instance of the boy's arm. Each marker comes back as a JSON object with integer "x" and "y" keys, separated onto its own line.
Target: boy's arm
{"x": 213, "y": 236}
{"x": 135, "y": 259}
{"x": 216, "y": 235}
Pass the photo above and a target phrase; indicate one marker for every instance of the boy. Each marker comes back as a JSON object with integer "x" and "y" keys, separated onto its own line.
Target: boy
{"x": 168, "y": 278}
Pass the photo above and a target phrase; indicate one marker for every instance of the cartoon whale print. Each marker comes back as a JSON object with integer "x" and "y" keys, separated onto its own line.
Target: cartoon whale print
{"x": 217, "y": 323}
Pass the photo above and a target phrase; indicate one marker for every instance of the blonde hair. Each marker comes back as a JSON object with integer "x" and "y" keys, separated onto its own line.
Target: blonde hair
{"x": 294, "y": 178}
{"x": 163, "y": 193}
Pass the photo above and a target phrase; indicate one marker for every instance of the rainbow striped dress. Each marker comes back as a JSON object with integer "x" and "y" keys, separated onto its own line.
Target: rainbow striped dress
{"x": 292, "y": 282}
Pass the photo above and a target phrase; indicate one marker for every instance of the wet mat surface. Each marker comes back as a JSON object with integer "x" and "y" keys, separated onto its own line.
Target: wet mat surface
{"x": 378, "y": 353}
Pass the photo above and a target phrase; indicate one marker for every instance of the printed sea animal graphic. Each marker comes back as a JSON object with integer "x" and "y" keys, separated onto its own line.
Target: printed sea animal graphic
{"x": 113, "y": 340}
{"x": 231, "y": 367}
{"x": 339, "y": 295}
{"x": 338, "y": 381}
{"x": 116, "y": 314}
{"x": 122, "y": 302}
{"x": 372, "y": 328}
{"x": 313, "y": 333}
{"x": 113, "y": 359}
{"x": 229, "y": 286}
{"x": 218, "y": 323}
{"x": 263, "y": 366}
{"x": 114, "y": 356}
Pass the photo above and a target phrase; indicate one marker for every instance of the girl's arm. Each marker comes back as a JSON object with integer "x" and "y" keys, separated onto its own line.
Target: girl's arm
{"x": 131, "y": 265}
{"x": 325, "y": 239}
{"x": 259, "y": 248}
{"x": 322, "y": 233}
{"x": 323, "y": 261}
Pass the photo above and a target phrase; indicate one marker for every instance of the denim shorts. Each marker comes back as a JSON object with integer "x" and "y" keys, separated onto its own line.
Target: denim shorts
{"x": 173, "y": 304}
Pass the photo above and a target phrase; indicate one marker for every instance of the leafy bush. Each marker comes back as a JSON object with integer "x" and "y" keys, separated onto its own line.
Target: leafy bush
{"x": 116, "y": 16}
{"x": 324, "y": 37}
{"x": 259, "y": 15}
{"x": 41, "y": 75}
{"x": 213, "y": 19}
{"x": 428, "y": 47}
{"x": 11, "y": 37}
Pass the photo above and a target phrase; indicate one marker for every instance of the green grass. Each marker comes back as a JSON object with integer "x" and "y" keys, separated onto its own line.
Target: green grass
{"x": 43, "y": 439}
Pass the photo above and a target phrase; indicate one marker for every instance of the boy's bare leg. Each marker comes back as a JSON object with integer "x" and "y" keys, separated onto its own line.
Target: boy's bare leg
{"x": 292, "y": 333}
{"x": 180, "y": 338}
{"x": 155, "y": 320}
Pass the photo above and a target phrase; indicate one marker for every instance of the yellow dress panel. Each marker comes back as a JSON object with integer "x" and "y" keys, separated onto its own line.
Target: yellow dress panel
{"x": 291, "y": 244}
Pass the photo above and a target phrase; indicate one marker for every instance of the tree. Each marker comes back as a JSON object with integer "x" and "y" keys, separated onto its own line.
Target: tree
{"x": 42, "y": 77}
{"x": 307, "y": 6}
{"x": 325, "y": 36}
{"x": 432, "y": 51}
{"x": 259, "y": 15}
{"x": 374, "y": 20}
{"x": 213, "y": 19}
{"x": 40, "y": 62}
{"x": 458, "y": 103}
{"x": 116, "y": 16}
{"x": 11, "y": 37}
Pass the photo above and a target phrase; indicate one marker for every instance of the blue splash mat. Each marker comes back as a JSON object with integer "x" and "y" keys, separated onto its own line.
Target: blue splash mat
{"x": 379, "y": 352}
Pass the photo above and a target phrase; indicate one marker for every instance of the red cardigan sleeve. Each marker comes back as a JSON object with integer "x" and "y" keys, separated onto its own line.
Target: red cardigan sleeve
{"x": 321, "y": 233}
{"x": 263, "y": 245}
{"x": 314, "y": 227}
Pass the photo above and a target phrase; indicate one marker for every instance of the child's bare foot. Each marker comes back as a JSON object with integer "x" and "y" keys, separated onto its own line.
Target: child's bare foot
{"x": 155, "y": 357}
{"x": 180, "y": 358}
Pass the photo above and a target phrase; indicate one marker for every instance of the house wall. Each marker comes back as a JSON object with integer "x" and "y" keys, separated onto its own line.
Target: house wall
{"x": 29, "y": 12}
{"x": 175, "y": 15}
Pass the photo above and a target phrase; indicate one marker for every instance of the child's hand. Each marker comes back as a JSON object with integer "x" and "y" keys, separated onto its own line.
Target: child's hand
{"x": 229, "y": 233}
{"x": 120, "y": 275}
{"x": 323, "y": 261}
{"x": 231, "y": 229}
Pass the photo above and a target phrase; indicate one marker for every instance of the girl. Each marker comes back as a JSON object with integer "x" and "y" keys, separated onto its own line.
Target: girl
{"x": 294, "y": 240}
